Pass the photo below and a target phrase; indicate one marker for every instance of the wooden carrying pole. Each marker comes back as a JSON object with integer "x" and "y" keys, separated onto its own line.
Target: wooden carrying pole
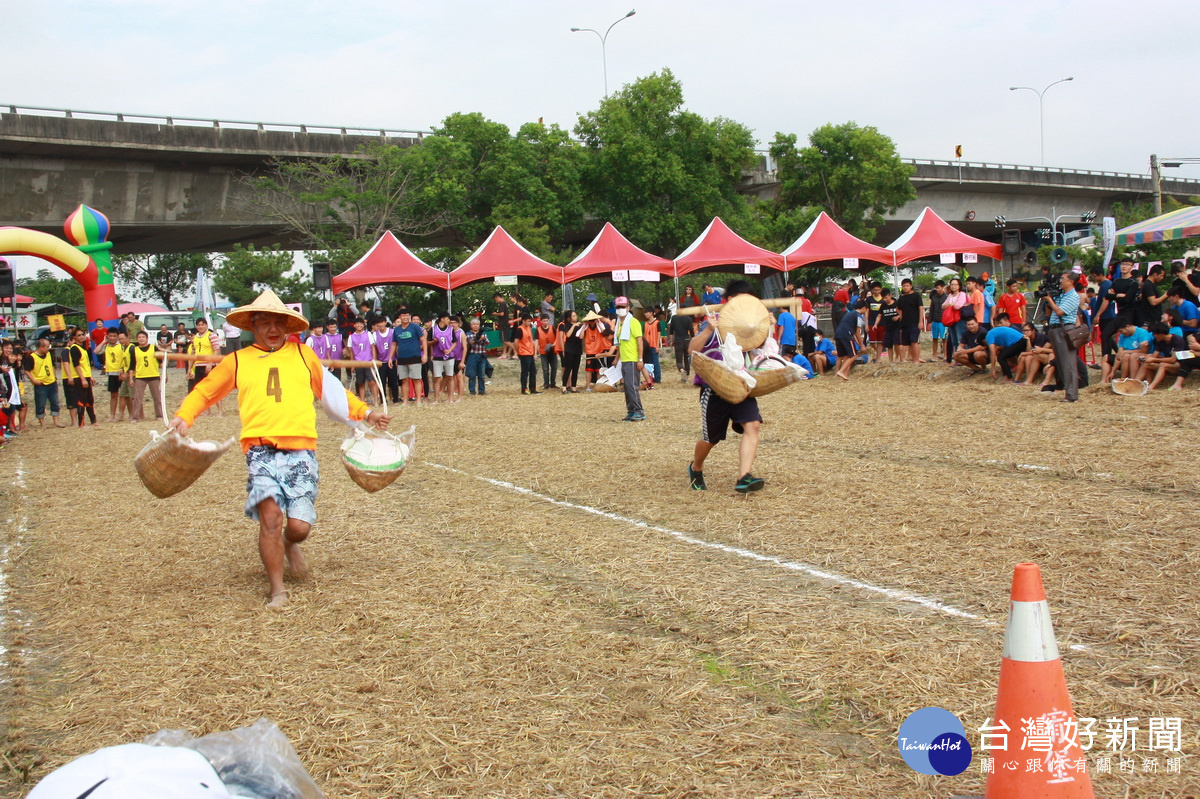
{"x": 794, "y": 303}
{"x": 335, "y": 363}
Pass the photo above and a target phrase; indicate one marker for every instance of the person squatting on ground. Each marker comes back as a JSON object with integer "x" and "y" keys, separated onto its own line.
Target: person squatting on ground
{"x": 630, "y": 344}
{"x": 716, "y": 414}
{"x": 278, "y": 382}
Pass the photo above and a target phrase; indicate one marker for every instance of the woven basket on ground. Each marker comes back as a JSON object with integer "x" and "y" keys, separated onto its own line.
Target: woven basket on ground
{"x": 732, "y": 388}
{"x": 1128, "y": 387}
{"x": 171, "y": 463}
{"x": 603, "y": 388}
{"x": 375, "y": 459}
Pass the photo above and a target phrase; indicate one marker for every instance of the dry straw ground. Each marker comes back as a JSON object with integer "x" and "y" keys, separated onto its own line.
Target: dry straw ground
{"x": 461, "y": 638}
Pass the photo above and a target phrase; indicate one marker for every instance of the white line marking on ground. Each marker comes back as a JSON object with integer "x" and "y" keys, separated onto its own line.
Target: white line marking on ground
{"x": 804, "y": 568}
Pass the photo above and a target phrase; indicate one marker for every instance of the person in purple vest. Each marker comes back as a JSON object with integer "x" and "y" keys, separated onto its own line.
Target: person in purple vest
{"x": 459, "y": 353}
{"x": 317, "y": 343}
{"x": 361, "y": 347}
{"x": 385, "y": 350}
{"x": 442, "y": 340}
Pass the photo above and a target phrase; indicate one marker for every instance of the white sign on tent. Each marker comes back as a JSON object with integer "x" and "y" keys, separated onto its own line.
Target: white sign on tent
{"x": 620, "y": 275}
{"x": 947, "y": 258}
{"x": 505, "y": 280}
{"x": 970, "y": 258}
{"x": 753, "y": 269}
{"x": 849, "y": 263}
{"x": 644, "y": 275}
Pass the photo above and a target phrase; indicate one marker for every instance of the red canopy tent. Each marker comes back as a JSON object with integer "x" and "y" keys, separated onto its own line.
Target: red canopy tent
{"x": 930, "y": 235}
{"x": 718, "y": 246}
{"x": 502, "y": 255}
{"x": 825, "y": 240}
{"x": 389, "y": 261}
{"x": 611, "y": 251}
{"x": 20, "y": 298}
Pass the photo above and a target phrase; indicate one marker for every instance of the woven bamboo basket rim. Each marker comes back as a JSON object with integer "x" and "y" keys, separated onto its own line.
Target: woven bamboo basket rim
{"x": 603, "y": 388}
{"x": 1136, "y": 388}
{"x": 372, "y": 480}
{"x": 728, "y": 386}
{"x": 169, "y": 463}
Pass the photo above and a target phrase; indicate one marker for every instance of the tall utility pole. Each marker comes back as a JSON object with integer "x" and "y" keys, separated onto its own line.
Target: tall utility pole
{"x": 604, "y": 43}
{"x": 1156, "y": 179}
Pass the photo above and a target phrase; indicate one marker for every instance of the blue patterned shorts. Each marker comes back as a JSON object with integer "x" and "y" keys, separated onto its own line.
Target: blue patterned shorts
{"x": 287, "y": 476}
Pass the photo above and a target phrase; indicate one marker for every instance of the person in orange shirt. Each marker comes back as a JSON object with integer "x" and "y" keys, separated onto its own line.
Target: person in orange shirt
{"x": 1013, "y": 303}
{"x": 975, "y": 297}
{"x": 523, "y": 338}
{"x": 548, "y": 351}
{"x": 277, "y": 381}
{"x": 651, "y": 343}
{"x": 597, "y": 346}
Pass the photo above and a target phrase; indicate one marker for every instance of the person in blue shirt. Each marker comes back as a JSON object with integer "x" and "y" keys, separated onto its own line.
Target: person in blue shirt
{"x": 847, "y": 339}
{"x": 787, "y": 328}
{"x": 1005, "y": 343}
{"x": 1064, "y": 313}
{"x": 710, "y": 296}
{"x": 409, "y": 338}
{"x": 1132, "y": 343}
{"x": 824, "y": 354}
{"x": 1188, "y": 313}
{"x": 804, "y": 364}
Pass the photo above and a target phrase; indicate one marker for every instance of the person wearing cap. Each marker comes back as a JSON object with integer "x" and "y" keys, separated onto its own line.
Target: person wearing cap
{"x": 716, "y": 414}
{"x": 630, "y": 352}
{"x": 277, "y": 382}
{"x": 597, "y": 346}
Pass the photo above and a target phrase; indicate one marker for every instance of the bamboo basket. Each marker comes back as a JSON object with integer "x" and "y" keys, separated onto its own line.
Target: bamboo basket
{"x": 171, "y": 463}
{"x": 732, "y": 388}
{"x": 374, "y": 459}
{"x": 1129, "y": 387}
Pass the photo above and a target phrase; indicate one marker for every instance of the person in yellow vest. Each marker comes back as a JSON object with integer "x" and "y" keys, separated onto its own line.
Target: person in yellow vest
{"x": 203, "y": 343}
{"x": 143, "y": 367}
{"x": 45, "y": 382}
{"x": 116, "y": 364}
{"x": 81, "y": 365}
{"x": 68, "y": 375}
{"x": 277, "y": 381}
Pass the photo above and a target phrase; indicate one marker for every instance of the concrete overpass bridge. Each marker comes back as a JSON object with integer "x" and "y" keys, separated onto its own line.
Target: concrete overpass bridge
{"x": 175, "y": 184}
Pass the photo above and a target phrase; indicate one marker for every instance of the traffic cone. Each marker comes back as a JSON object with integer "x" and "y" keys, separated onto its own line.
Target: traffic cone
{"x": 1043, "y": 758}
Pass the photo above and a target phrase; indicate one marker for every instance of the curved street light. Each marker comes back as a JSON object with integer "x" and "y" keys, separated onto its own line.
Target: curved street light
{"x": 1041, "y": 110}
{"x": 603, "y": 43}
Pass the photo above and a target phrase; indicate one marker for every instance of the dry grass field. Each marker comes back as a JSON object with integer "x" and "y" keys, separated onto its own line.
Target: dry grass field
{"x": 541, "y": 607}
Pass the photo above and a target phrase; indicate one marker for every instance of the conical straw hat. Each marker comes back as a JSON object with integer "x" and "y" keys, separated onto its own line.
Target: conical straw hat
{"x": 747, "y": 319}
{"x": 267, "y": 302}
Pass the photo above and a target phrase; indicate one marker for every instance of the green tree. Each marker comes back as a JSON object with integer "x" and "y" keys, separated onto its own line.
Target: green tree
{"x": 245, "y": 272}
{"x": 850, "y": 172}
{"x": 660, "y": 173}
{"x": 169, "y": 278}
{"x": 45, "y": 287}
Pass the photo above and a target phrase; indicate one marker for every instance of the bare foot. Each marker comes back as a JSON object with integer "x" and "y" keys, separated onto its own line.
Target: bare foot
{"x": 839, "y": 374}
{"x": 278, "y": 601}
{"x": 296, "y": 562}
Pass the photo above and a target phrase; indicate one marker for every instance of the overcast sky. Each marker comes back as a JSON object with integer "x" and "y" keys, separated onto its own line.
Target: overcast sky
{"x": 929, "y": 74}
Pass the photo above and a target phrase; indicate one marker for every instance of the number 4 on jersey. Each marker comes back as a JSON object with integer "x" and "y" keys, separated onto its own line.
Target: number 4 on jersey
{"x": 273, "y": 387}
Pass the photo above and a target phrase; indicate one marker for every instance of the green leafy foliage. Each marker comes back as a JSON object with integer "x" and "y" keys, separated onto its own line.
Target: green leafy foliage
{"x": 852, "y": 173}
{"x": 45, "y": 287}
{"x": 660, "y": 173}
{"x": 168, "y": 279}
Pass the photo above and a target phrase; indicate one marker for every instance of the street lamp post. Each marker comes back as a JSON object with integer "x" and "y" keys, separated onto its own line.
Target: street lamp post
{"x": 603, "y": 43}
{"x": 1086, "y": 217}
{"x": 1041, "y": 110}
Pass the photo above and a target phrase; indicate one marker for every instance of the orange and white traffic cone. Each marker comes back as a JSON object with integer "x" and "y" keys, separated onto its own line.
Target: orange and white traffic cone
{"x": 1033, "y": 708}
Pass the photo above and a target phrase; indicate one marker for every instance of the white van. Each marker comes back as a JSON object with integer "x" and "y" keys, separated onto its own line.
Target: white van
{"x": 153, "y": 320}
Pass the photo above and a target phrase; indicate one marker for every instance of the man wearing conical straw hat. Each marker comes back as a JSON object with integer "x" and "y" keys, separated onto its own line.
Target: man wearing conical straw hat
{"x": 277, "y": 382}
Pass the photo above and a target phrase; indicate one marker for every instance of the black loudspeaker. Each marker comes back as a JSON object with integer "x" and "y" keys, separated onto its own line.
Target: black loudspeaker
{"x": 1031, "y": 258}
{"x": 1012, "y": 242}
{"x": 322, "y": 276}
{"x": 1058, "y": 255}
{"x": 7, "y": 284}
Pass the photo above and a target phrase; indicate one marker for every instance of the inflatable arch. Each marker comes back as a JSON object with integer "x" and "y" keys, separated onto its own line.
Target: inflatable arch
{"x": 88, "y": 261}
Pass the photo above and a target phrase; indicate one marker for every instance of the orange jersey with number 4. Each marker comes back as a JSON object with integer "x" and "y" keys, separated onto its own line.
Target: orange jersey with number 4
{"x": 276, "y": 391}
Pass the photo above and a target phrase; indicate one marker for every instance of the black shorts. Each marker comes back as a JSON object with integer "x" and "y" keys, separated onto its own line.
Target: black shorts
{"x": 114, "y": 384}
{"x": 593, "y": 364}
{"x": 845, "y": 347}
{"x": 69, "y": 391}
{"x": 716, "y": 414}
{"x": 910, "y": 335}
{"x": 361, "y": 377}
{"x": 891, "y": 337}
